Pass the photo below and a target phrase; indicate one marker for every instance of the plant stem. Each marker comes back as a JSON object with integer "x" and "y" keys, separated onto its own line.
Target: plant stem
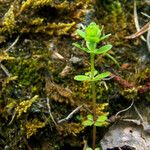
{"x": 94, "y": 114}
{"x": 93, "y": 99}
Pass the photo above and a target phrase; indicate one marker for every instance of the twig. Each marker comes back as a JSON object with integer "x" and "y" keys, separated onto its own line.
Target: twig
{"x": 148, "y": 40}
{"x": 85, "y": 144}
{"x": 122, "y": 82}
{"x": 109, "y": 78}
{"x": 49, "y": 110}
{"x": 140, "y": 116}
{"x": 13, "y": 117}
{"x": 144, "y": 14}
{"x": 87, "y": 108}
{"x": 26, "y": 143}
{"x": 136, "y": 21}
{"x": 71, "y": 114}
{"x": 12, "y": 44}
{"x": 144, "y": 29}
{"x": 124, "y": 109}
{"x": 5, "y": 70}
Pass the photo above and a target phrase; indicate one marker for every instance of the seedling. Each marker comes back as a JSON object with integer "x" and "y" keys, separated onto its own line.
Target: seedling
{"x": 92, "y": 34}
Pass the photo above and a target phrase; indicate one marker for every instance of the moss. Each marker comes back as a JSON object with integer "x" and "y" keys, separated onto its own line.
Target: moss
{"x": 24, "y": 106}
{"x": 5, "y": 56}
{"x": 9, "y": 21}
{"x": 115, "y": 20}
{"x": 27, "y": 71}
{"x": 34, "y": 4}
{"x": 37, "y": 21}
{"x": 130, "y": 94}
{"x": 43, "y": 18}
{"x": 72, "y": 128}
{"x": 42, "y": 24}
{"x": 9, "y": 81}
{"x": 33, "y": 126}
{"x": 55, "y": 29}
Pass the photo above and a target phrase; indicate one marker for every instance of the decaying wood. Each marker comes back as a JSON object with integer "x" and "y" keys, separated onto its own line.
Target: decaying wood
{"x": 125, "y": 84}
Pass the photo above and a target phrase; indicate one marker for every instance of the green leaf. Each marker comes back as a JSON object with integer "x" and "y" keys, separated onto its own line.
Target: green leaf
{"x": 97, "y": 148}
{"x": 103, "y": 49}
{"x": 93, "y": 30}
{"x": 92, "y": 39}
{"x": 90, "y": 117}
{"x": 87, "y": 123}
{"x": 113, "y": 59}
{"x": 89, "y": 73}
{"x": 81, "y": 33}
{"x": 82, "y": 78}
{"x": 104, "y": 37}
{"x": 99, "y": 124}
{"x": 102, "y": 118}
{"x": 80, "y": 47}
{"x": 91, "y": 46}
{"x": 101, "y": 76}
{"x": 88, "y": 148}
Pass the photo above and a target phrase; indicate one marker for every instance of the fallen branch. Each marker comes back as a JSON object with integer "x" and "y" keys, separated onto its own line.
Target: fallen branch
{"x": 126, "y": 84}
{"x": 123, "y": 82}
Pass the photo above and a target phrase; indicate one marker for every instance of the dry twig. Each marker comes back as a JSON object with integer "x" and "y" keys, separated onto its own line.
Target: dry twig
{"x": 124, "y": 109}
{"x": 26, "y": 143}
{"x": 71, "y": 114}
{"x": 49, "y": 110}
{"x": 85, "y": 144}
{"x": 136, "y": 21}
{"x": 148, "y": 40}
{"x": 144, "y": 29}
{"x": 13, "y": 44}
{"x": 5, "y": 70}
{"x": 144, "y": 14}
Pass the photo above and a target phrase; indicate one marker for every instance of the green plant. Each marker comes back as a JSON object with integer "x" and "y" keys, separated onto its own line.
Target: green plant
{"x": 92, "y": 34}
{"x": 97, "y": 148}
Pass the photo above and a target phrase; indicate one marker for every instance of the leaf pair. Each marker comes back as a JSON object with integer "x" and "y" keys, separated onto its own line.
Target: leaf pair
{"x": 97, "y": 148}
{"x": 101, "y": 50}
{"x": 101, "y": 120}
{"x": 87, "y": 77}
